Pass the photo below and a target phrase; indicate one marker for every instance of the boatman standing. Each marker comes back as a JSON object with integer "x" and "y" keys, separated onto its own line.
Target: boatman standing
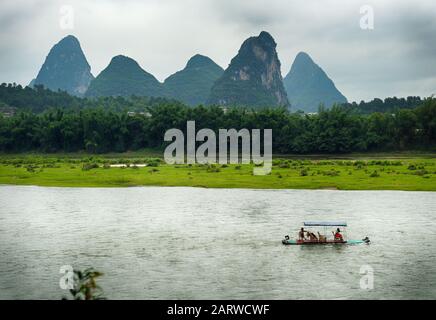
{"x": 301, "y": 234}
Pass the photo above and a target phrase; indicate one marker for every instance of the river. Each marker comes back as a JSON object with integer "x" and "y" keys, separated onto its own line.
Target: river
{"x": 196, "y": 243}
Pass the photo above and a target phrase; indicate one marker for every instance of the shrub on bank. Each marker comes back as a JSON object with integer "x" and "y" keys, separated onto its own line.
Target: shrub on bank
{"x": 375, "y": 174}
{"x": 213, "y": 168}
{"x": 153, "y": 164}
{"x": 89, "y": 166}
{"x": 303, "y": 172}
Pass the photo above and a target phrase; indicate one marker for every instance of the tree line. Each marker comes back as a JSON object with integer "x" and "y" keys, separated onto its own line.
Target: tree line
{"x": 337, "y": 130}
{"x": 387, "y": 105}
{"x": 39, "y": 99}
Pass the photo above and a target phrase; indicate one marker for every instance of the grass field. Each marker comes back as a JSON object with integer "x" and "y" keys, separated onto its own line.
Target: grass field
{"x": 350, "y": 172}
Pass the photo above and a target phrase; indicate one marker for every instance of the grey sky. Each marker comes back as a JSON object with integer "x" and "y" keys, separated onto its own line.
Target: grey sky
{"x": 397, "y": 58}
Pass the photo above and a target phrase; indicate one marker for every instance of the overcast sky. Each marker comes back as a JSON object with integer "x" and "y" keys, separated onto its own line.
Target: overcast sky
{"x": 397, "y": 57}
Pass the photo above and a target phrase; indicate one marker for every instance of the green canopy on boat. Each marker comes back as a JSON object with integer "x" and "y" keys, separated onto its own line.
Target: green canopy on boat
{"x": 325, "y": 223}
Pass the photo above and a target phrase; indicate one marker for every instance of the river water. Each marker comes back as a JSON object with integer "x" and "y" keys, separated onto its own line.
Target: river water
{"x": 194, "y": 243}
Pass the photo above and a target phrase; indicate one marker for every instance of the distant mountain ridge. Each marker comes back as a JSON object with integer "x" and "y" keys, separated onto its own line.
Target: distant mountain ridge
{"x": 253, "y": 77}
{"x": 192, "y": 84}
{"x": 308, "y": 86}
{"x": 65, "y": 68}
{"x": 124, "y": 77}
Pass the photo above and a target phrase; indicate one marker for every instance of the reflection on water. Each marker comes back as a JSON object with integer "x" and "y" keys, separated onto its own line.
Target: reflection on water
{"x": 192, "y": 243}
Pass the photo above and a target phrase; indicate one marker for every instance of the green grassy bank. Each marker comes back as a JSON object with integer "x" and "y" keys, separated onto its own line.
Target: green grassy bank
{"x": 350, "y": 172}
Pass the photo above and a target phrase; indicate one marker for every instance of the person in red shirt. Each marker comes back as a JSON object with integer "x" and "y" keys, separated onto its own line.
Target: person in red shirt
{"x": 338, "y": 235}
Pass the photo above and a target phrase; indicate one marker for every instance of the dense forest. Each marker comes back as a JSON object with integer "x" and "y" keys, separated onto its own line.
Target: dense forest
{"x": 50, "y": 121}
{"x": 39, "y": 99}
{"x": 103, "y": 125}
{"x": 386, "y": 105}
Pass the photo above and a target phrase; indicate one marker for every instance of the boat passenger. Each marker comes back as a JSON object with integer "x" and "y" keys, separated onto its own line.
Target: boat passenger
{"x": 301, "y": 234}
{"x": 338, "y": 235}
{"x": 312, "y": 236}
{"x": 321, "y": 237}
